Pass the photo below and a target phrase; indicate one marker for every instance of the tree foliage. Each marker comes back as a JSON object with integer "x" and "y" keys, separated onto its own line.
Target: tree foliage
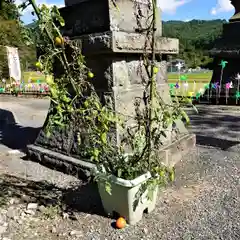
{"x": 196, "y": 37}
{"x": 10, "y": 35}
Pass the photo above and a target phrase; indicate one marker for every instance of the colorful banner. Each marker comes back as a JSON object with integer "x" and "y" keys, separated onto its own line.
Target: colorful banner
{"x": 13, "y": 63}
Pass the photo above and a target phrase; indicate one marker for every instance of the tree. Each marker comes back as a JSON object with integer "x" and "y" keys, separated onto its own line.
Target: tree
{"x": 196, "y": 38}
{"x": 11, "y": 35}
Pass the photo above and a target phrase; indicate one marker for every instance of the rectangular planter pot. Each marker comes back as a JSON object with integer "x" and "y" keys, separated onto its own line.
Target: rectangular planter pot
{"x": 123, "y": 198}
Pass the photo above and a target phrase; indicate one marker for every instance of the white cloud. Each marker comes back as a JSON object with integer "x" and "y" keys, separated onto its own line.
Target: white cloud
{"x": 170, "y": 6}
{"x": 222, "y": 6}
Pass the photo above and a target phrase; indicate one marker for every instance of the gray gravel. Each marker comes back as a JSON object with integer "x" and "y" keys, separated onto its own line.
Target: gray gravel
{"x": 203, "y": 203}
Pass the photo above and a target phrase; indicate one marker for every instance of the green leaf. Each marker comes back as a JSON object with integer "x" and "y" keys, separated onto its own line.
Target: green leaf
{"x": 185, "y": 116}
{"x": 171, "y": 175}
{"x": 103, "y": 137}
{"x": 119, "y": 172}
{"x": 108, "y": 188}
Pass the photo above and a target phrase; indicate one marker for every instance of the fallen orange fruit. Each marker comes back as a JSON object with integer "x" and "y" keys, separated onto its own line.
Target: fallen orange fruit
{"x": 120, "y": 223}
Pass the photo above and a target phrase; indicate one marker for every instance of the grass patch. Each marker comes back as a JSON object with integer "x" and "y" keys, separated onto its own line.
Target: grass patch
{"x": 34, "y": 76}
{"x": 203, "y": 77}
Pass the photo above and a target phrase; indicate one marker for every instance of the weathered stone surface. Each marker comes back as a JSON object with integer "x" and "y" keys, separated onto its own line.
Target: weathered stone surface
{"x": 123, "y": 42}
{"x": 90, "y": 16}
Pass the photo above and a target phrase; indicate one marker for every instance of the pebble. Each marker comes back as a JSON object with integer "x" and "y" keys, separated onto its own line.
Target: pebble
{"x": 76, "y": 233}
{"x": 42, "y": 208}
{"x": 53, "y": 230}
{"x": 145, "y": 230}
{"x": 3, "y": 229}
{"x": 11, "y": 201}
{"x": 11, "y": 213}
{"x": 32, "y": 206}
{"x": 29, "y": 211}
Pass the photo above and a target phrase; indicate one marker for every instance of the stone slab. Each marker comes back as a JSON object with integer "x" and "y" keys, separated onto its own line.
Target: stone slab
{"x": 94, "y": 16}
{"x": 170, "y": 155}
{"x": 123, "y": 42}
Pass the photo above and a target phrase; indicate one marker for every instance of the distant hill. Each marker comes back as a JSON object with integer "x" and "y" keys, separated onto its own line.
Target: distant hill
{"x": 196, "y": 37}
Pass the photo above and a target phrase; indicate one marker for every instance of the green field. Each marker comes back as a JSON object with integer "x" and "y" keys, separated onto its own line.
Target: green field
{"x": 204, "y": 77}
{"x": 200, "y": 80}
{"x": 34, "y": 76}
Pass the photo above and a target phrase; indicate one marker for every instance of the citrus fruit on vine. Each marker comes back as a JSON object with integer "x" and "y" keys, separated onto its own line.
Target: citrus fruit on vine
{"x": 90, "y": 75}
{"x": 38, "y": 65}
{"x": 120, "y": 223}
{"x": 155, "y": 70}
{"x": 59, "y": 41}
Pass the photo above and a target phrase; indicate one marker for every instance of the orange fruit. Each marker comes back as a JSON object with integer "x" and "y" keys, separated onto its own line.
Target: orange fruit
{"x": 120, "y": 223}
{"x": 59, "y": 41}
{"x": 90, "y": 75}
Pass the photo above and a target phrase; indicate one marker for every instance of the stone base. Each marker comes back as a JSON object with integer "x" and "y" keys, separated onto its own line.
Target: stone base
{"x": 170, "y": 155}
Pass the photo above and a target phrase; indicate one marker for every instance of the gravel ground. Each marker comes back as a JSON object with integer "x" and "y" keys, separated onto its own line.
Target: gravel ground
{"x": 203, "y": 203}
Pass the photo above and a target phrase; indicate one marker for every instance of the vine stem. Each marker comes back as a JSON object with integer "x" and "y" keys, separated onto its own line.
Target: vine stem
{"x": 152, "y": 80}
{"x": 65, "y": 62}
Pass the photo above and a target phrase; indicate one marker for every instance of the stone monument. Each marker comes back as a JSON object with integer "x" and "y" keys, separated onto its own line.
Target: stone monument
{"x": 112, "y": 43}
{"x": 227, "y": 48}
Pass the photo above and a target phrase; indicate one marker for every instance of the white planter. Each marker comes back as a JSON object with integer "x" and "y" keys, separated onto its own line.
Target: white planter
{"x": 123, "y": 196}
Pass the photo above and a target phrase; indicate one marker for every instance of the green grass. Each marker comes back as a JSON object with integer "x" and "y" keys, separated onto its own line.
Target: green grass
{"x": 34, "y": 76}
{"x": 200, "y": 80}
{"x": 203, "y": 77}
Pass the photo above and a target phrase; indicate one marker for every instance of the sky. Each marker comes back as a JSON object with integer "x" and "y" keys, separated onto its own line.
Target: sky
{"x": 184, "y": 10}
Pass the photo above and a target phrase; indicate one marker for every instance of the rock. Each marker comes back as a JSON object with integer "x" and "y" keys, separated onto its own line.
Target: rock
{"x": 145, "y": 230}
{"x": 29, "y": 212}
{"x": 32, "y": 206}
{"x": 23, "y": 214}
{"x": 42, "y": 209}
{"x": 76, "y": 233}
{"x": 19, "y": 221}
{"x": 12, "y": 201}
{"x": 65, "y": 215}
{"x": 15, "y": 218}
{"x": 2, "y": 219}
{"x": 5, "y": 224}
{"x": 3, "y": 229}
{"x": 11, "y": 213}
{"x": 6, "y": 238}
{"x": 53, "y": 230}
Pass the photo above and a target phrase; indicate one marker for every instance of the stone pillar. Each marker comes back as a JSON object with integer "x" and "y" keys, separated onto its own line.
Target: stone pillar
{"x": 112, "y": 43}
{"x": 227, "y": 48}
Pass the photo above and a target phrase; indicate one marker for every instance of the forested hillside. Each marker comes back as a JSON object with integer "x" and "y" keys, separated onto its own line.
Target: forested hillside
{"x": 196, "y": 38}
{"x": 10, "y": 35}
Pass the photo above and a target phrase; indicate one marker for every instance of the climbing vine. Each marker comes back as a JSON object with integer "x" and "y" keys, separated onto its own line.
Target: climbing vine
{"x": 73, "y": 97}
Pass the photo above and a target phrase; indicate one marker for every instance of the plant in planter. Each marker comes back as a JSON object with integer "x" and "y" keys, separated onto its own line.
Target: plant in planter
{"x": 130, "y": 173}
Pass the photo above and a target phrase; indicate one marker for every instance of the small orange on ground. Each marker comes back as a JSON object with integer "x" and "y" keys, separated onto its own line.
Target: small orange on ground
{"x": 59, "y": 41}
{"x": 120, "y": 223}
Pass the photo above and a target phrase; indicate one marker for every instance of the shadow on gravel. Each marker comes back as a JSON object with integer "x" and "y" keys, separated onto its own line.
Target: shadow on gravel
{"x": 210, "y": 123}
{"x": 84, "y": 198}
{"x": 13, "y": 135}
